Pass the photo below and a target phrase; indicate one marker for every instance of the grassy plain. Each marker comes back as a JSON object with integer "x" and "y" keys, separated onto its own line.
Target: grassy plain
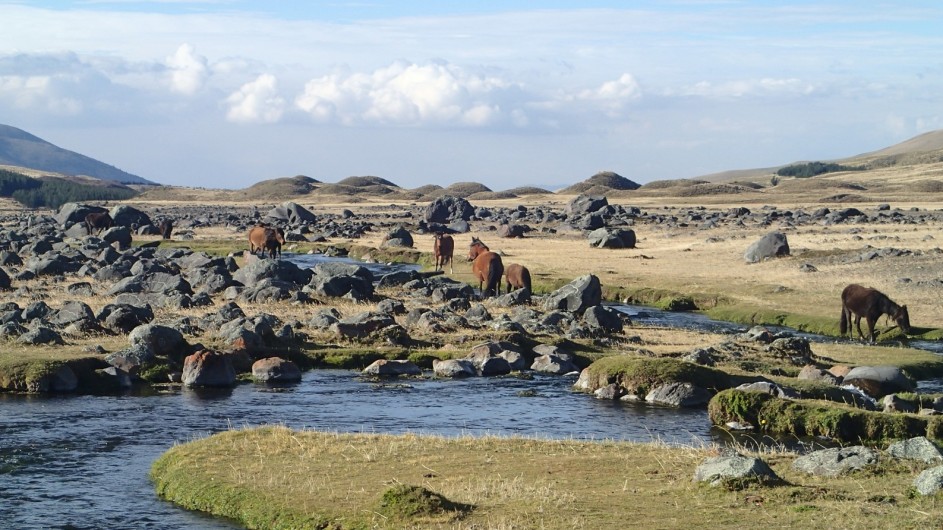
{"x": 275, "y": 477}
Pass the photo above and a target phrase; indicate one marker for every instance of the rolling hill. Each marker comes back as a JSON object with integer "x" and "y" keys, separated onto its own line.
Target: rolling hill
{"x": 19, "y": 148}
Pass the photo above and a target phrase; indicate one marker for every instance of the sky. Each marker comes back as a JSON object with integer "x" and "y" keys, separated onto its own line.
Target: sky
{"x": 226, "y": 93}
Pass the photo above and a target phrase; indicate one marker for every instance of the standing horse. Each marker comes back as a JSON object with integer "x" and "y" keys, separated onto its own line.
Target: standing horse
{"x": 517, "y": 277}
{"x": 98, "y": 221}
{"x": 486, "y": 267}
{"x": 166, "y": 227}
{"x": 443, "y": 247}
{"x": 263, "y": 238}
{"x": 870, "y": 304}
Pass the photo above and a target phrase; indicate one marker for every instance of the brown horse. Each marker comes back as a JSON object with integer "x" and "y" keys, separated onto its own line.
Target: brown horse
{"x": 443, "y": 247}
{"x": 166, "y": 227}
{"x": 263, "y": 238}
{"x": 870, "y": 304}
{"x": 486, "y": 267}
{"x": 518, "y": 277}
{"x": 98, "y": 221}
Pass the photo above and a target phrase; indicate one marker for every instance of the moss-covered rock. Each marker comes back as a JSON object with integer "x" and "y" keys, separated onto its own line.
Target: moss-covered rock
{"x": 639, "y": 375}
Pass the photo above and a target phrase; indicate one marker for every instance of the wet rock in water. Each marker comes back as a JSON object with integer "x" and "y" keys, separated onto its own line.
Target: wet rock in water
{"x": 919, "y": 448}
{"x": 679, "y": 395}
{"x": 553, "y": 364}
{"x": 453, "y": 368}
{"x": 386, "y": 367}
{"x": 717, "y": 469}
{"x": 275, "y": 370}
{"x": 114, "y": 378}
{"x": 772, "y": 245}
{"x": 836, "y": 461}
{"x": 208, "y": 368}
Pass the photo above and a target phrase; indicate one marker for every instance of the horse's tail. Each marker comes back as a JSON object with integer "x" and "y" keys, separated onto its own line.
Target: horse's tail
{"x": 843, "y": 323}
{"x": 525, "y": 278}
{"x": 495, "y": 271}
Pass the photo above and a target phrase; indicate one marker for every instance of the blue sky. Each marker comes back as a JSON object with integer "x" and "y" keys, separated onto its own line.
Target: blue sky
{"x": 225, "y": 93}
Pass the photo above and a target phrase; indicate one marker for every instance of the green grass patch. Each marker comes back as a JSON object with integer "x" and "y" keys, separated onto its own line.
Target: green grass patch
{"x": 782, "y": 417}
{"x": 639, "y": 375}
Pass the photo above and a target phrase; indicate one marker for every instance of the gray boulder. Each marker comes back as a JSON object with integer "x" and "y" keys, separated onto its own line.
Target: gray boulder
{"x": 398, "y": 237}
{"x": 919, "y": 448}
{"x": 392, "y": 368}
{"x": 612, "y": 238}
{"x": 291, "y": 213}
{"x": 716, "y": 469}
{"x": 878, "y": 381}
{"x": 447, "y": 209}
{"x": 679, "y": 395}
{"x": 576, "y": 296}
{"x": 836, "y": 461}
{"x": 584, "y": 204}
{"x": 929, "y": 481}
{"x": 772, "y": 245}
{"x": 128, "y": 216}
{"x": 453, "y": 368}
{"x": 162, "y": 340}
{"x": 553, "y": 364}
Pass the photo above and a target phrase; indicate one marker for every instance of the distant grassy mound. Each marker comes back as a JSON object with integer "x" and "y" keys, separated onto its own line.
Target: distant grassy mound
{"x": 491, "y": 195}
{"x": 600, "y": 183}
{"x": 359, "y": 186}
{"x": 928, "y": 186}
{"x": 813, "y": 184}
{"x": 465, "y": 189}
{"x": 666, "y": 184}
{"x": 523, "y": 191}
{"x": 282, "y": 187}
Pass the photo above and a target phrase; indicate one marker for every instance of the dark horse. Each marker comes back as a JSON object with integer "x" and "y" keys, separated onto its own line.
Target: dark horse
{"x": 98, "y": 221}
{"x": 443, "y": 247}
{"x": 264, "y": 239}
{"x": 870, "y": 304}
{"x": 518, "y": 277}
{"x": 486, "y": 267}
{"x": 166, "y": 227}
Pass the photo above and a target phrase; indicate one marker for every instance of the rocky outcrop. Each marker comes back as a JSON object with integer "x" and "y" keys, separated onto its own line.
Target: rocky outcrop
{"x": 209, "y": 368}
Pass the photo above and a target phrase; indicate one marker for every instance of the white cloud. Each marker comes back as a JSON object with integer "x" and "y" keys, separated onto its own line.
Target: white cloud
{"x": 406, "y": 94}
{"x": 188, "y": 71}
{"x": 256, "y": 102}
{"x": 748, "y": 87}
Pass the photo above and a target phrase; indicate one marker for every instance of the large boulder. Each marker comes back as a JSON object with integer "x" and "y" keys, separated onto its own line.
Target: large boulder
{"x": 208, "y": 368}
{"x": 678, "y": 395}
{"x": 291, "y": 213}
{"x": 275, "y": 370}
{"x": 398, "y": 237}
{"x": 929, "y": 481}
{"x": 717, "y": 469}
{"x": 612, "y": 238}
{"x": 836, "y": 461}
{"x": 392, "y": 368}
{"x": 576, "y": 296}
{"x": 878, "y": 381}
{"x": 162, "y": 340}
{"x": 585, "y": 204}
{"x": 128, "y": 216}
{"x": 72, "y": 212}
{"x": 447, "y": 209}
{"x": 772, "y": 245}
{"x": 255, "y": 271}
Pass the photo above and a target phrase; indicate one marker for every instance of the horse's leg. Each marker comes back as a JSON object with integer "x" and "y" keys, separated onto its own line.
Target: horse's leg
{"x": 871, "y": 323}
{"x": 858, "y": 327}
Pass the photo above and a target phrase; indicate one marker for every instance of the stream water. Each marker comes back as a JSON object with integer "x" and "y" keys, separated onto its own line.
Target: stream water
{"x": 82, "y": 462}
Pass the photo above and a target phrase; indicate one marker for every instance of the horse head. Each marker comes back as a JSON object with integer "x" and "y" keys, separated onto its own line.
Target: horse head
{"x": 902, "y": 318}
{"x": 475, "y": 248}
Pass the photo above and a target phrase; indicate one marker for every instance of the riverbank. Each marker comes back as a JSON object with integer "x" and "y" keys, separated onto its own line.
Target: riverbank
{"x": 276, "y": 477}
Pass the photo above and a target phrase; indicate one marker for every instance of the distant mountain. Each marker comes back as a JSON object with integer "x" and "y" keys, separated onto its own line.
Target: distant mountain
{"x": 21, "y": 149}
{"x": 924, "y": 148}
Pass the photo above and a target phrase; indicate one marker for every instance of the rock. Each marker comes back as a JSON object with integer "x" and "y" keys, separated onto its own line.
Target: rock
{"x": 291, "y": 213}
{"x": 612, "y": 238}
{"x": 553, "y": 364}
{"x": 576, "y": 296}
{"x": 678, "y": 395}
{"x": 360, "y": 326}
{"x": 836, "y": 461}
{"x": 128, "y": 216}
{"x": 71, "y": 312}
{"x": 132, "y": 360}
{"x": 585, "y": 204}
{"x": 447, "y": 209}
{"x": 275, "y": 370}
{"x": 772, "y": 389}
{"x": 385, "y": 367}
{"x": 717, "y": 469}
{"x": 894, "y": 403}
{"x": 40, "y": 335}
{"x": 604, "y": 319}
{"x": 162, "y": 340}
{"x": 122, "y": 318}
{"x": 771, "y": 245}
{"x": 208, "y": 368}
{"x": 398, "y": 237}
{"x": 812, "y": 373}
{"x": 512, "y": 230}
{"x": 919, "y": 448}
{"x": 453, "y": 368}
{"x": 879, "y": 381}
{"x": 929, "y": 481}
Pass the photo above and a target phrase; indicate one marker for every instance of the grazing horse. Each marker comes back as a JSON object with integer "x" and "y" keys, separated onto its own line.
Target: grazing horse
{"x": 486, "y": 267}
{"x": 98, "y": 221}
{"x": 166, "y": 227}
{"x": 443, "y": 247}
{"x": 870, "y": 304}
{"x": 518, "y": 277}
{"x": 263, "y": 238}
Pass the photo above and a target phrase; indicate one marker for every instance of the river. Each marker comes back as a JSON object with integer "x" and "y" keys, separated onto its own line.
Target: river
{"x": 82, "y": 462}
